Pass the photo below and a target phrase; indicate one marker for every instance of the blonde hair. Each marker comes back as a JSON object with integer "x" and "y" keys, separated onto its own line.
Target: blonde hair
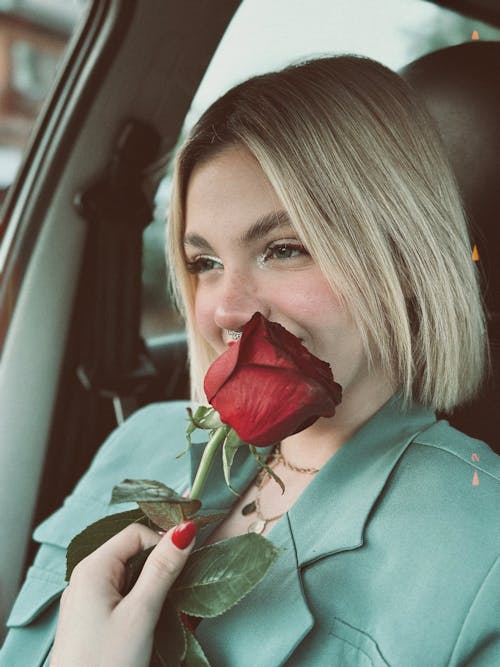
{"x": 361, "y": 171}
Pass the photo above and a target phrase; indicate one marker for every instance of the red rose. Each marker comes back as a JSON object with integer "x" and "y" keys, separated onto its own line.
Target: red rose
{"x": 268, "y": 385}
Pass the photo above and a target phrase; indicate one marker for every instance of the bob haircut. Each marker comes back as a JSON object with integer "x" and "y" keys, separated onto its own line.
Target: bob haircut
{"x": 361, "y": 171}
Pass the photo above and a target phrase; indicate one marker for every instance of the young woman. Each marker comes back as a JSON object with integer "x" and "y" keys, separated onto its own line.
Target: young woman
{"x": 320, "y": 197}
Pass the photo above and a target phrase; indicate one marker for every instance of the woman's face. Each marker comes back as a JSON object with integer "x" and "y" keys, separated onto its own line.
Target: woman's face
{"x": 247, "y": 257}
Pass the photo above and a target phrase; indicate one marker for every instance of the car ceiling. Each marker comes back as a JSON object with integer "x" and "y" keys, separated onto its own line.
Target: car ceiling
{"x": 484, "y": 10}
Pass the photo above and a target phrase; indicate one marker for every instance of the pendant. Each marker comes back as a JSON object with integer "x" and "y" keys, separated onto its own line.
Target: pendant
{"x": 257, "y": 526}
{"x": 249, "y": 509}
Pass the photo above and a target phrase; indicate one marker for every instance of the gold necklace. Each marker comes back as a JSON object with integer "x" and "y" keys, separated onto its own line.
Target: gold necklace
{"x": 260, "y": 523}
{"x": 279, "y": 458}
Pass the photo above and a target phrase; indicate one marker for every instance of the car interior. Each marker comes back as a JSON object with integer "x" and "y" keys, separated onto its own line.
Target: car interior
{"x": 75, "y": 360}
{"x": 460, "y": 86}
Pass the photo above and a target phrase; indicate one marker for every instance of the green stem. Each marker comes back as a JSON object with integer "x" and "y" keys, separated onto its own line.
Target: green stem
{"x": 207, "y": 459}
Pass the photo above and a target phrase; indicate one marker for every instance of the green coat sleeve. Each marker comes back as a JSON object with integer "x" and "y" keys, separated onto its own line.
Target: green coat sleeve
{"x": 33, "y": 618}
{"x": 145, "y": 447}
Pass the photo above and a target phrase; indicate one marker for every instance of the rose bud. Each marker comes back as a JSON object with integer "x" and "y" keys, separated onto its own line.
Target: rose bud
{"x": 268, "y": 386}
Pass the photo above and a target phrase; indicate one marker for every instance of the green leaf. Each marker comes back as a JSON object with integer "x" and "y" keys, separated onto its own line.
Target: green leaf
{"x": 141, "y": 490}
{"x": 169, "y": 644}
{"x": 219, "y": 575}
{"x": 166, "y": 514}
{"x": 235, "y": 440}
{"x": 202, "y": 520}
{"x": 147, "y": 490}
{"x": 194, "y": 653}
{"x": 229, "y": 449}
{"x": 190, "y": 428}
{"x": 97, "y": 533}
{"x": 206, "y": 418}
{"x": 262, "y": 462}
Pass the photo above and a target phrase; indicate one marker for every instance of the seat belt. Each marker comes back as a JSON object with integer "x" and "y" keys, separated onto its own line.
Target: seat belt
{"x": 104, "y": 345}
{"x": 113, "y": 360}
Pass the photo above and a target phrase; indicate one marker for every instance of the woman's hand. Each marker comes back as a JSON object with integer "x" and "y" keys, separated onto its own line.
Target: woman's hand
{"x": 98, "y": 626}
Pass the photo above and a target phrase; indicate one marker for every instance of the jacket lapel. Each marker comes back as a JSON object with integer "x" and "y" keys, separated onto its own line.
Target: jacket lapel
{"x": 335, "y": 507}
{"x": 329, "y": 517}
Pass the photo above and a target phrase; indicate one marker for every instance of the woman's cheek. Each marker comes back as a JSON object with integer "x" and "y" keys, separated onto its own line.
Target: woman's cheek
{"x": 204, "y": 319}
{"x": 201, "y": 314}
{"x": 314, "y": 299}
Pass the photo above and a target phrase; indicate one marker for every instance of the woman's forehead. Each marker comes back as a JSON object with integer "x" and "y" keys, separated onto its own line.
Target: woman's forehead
{"x": 232, "y": 190}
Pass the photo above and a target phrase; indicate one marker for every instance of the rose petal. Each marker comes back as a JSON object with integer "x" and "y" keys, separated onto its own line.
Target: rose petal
{"x": 269, "y": 385}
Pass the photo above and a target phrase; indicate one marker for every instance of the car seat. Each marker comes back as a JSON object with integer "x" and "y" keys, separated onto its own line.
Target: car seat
{"x": 460, "y": 86}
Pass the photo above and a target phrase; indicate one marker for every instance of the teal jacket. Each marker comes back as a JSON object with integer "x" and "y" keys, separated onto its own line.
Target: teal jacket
{"x": 391, "y": 556}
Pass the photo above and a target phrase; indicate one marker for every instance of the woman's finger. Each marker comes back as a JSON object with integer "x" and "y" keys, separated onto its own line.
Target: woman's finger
{"x": 111, "y": 559}
{"x": 162, "y": 568}
{"x": 127, "y": 543}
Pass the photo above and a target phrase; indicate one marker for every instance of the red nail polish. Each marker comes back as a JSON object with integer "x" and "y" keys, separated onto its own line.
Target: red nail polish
{"x": 183, "y": 534}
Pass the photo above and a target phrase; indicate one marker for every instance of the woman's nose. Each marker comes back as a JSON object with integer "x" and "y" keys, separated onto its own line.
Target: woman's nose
{"x": 239, "y": 298}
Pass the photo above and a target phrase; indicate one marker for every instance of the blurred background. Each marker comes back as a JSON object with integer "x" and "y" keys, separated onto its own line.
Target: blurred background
{"x": 264, "y": 35}
{"x": 33, "y": 38}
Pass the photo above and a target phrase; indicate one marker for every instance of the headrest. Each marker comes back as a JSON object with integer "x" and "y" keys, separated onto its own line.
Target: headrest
{"x": 460, "y": 85}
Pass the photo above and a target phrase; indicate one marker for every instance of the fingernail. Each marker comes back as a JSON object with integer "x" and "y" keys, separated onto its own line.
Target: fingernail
{"x": 183, "y": 534}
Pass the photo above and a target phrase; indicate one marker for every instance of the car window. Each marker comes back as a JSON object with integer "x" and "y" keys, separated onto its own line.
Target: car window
{"x": 264, "y": 36}
{"x": 34, "y": 35}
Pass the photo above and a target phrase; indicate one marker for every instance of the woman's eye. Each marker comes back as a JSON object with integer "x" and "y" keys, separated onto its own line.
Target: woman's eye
{"x": 202, "y": 264}
{"x": 287, "y": 250}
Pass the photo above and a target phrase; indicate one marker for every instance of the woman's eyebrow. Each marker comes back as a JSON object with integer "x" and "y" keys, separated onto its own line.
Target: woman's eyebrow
{"x": 266, "y": 224}
{"x": 260, "y": 229}
{"x": 197, "y": 241}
